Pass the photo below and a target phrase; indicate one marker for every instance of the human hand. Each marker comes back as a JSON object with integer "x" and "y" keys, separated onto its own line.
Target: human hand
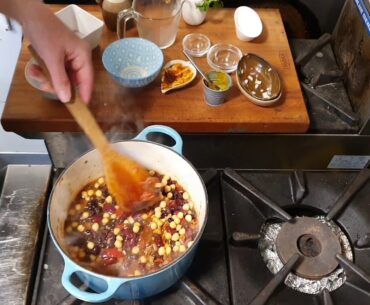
{"x": 68, "y": 58}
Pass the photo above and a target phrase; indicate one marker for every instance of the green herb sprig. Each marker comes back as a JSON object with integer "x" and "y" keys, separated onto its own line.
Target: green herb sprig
{"x": 206, "y": 4}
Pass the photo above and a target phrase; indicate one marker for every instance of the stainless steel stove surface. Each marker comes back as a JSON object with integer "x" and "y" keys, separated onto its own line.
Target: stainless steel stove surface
{"x": 272, "y": 237}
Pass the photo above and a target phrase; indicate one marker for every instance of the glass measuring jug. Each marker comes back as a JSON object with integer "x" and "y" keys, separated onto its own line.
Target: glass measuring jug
{"x": 156, "y": 20}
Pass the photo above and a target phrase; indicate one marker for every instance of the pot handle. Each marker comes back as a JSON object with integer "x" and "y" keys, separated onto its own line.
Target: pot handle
{"x": 162, "y": 129}
{"x": 112, "y": 286}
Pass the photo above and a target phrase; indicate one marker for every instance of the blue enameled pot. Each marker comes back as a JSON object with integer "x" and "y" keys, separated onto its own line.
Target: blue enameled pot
{"x": 162, "y": 159}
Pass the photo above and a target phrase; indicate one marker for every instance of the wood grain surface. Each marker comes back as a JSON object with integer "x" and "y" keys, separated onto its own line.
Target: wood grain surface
{"x": 27, "y": 111}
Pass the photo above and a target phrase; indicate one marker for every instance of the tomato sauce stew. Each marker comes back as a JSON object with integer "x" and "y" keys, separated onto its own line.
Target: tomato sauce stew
{"x": 101, "y": 238}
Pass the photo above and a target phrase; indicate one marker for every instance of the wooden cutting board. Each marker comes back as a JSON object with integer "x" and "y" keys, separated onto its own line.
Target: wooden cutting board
{"x": 26, "y": 111}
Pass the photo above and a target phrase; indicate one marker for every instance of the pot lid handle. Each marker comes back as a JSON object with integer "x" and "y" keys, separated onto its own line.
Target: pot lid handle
{"x": 177, "y": 147}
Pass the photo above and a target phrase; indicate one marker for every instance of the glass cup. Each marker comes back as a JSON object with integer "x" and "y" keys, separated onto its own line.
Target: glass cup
{"x": 156, "y": 20}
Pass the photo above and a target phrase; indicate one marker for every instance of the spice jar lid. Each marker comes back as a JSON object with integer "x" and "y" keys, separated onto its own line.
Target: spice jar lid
{"x": 196, "y": 44}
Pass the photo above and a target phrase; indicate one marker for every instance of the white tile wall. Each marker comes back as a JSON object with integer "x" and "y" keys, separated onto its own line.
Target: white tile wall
{"x": 10, "y": 45}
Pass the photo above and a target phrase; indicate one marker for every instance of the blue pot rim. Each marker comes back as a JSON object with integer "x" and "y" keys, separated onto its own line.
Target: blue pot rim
{"x": 133, "y": 39}
{"x": 104, "y": 276}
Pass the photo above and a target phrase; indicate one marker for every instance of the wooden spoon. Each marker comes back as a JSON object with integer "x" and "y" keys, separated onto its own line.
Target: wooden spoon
{"x": 129, "y": 183}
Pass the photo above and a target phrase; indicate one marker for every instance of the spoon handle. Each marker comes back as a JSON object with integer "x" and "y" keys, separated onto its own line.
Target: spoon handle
{"x": 196, "y": 66}
{"x": 209, "y": 82}
{"x": 79, "y": 111}
{"x": 87, "y": 122}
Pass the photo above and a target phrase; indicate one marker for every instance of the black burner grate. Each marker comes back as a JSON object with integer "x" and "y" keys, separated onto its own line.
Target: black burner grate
{"x": 247, "y": 205}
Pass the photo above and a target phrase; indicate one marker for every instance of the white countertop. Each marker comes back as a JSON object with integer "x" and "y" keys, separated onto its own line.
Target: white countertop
{"x": 10, "y": 45}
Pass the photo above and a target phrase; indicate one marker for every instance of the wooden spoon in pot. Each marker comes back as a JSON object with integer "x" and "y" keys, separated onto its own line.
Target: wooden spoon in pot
{"x": 129, "y": 183}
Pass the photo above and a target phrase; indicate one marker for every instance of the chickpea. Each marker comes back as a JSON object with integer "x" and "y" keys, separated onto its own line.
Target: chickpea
{"x": 175, "y": 236}
{"x": 95, "y": 226}
{"x": 85, "y": 215}
{"x": 185, "y": 195}
{"x": 161, "y": 251}
{"x": 118, "y": 244}
{"x": 137, "y": 273}
{"x": 135, "y": 250}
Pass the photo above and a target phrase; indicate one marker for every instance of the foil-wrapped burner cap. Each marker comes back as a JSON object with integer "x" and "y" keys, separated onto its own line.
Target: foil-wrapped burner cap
{"x": 268, "y": 249}
{"x": 314, "y": 241}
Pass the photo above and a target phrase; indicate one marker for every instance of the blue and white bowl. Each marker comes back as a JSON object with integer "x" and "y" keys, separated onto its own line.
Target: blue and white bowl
{"x": 133, "y": 62}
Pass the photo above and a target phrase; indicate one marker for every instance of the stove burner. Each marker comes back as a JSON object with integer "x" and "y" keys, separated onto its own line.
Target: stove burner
{"x": 315, "y": 241}
{"x": 310, "y": 245}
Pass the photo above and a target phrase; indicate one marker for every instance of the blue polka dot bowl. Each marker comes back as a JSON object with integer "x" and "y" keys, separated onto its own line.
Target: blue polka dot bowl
{"x": 133, "y": 62}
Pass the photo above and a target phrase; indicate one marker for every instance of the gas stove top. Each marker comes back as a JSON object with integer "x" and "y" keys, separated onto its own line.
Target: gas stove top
{"x": 272, "y": 237}
{"x": 297, "y": 225}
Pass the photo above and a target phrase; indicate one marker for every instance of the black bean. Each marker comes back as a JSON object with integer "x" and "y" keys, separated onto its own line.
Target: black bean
{"x": 94, "y": 251}
{"x": 112, "y": 224}
{"x": 110, "y": 242}
{"x": 104, "y": 191}
{"x": 87, "y": 233}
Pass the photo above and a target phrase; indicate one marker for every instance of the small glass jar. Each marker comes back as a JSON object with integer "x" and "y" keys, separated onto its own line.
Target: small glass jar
{"x": 196, "y": 44}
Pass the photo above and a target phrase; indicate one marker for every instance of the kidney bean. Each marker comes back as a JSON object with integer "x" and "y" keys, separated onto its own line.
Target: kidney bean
{"x": 96, "y": 218}
{"x": 158, "y": 240}
{"x": 109, "y": 208}
{"x": 130, "y": 238}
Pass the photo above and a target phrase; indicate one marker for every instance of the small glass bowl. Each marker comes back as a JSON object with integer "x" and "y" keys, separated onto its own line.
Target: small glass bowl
{"x": 224, "y": 57}
{"x": 196, "y": 44}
